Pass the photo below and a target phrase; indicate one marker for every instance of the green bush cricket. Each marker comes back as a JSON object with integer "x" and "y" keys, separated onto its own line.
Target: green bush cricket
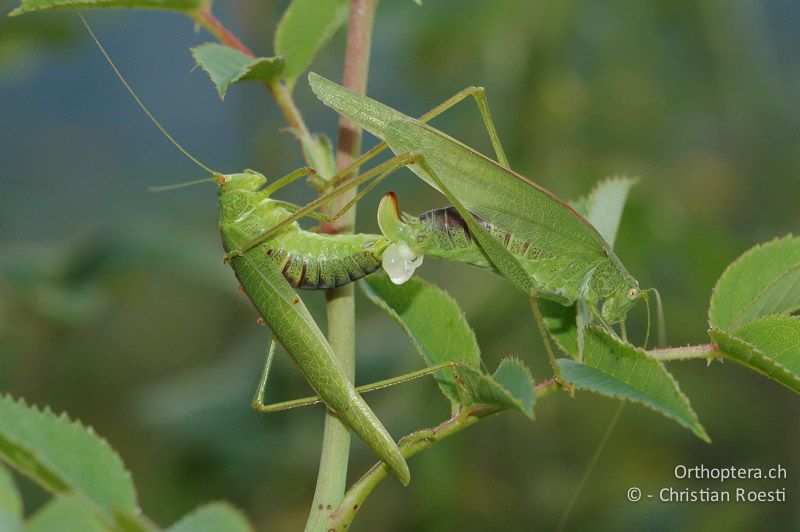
{"x": 535, "y": 239}
{"x": 245, "y": 209}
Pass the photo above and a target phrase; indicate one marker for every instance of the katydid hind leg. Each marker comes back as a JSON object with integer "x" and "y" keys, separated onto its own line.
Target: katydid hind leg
{"x": 258, "y": 399}
{"x": 479, "y": 94}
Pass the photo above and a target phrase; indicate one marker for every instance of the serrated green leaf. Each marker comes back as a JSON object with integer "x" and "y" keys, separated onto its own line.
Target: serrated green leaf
{"x": 433, "y": 321}
{"x": 226, "y": 66}
{"x": 63, "y": 456}
{"x": 769, "y": 345}
{"x": 511, "y": 387}
{"x": 603, "y": 206}
{"x": 763, "y": 281}
{"x": 28, "y": 6}
{"x": 305, "y": 27}
{"x": 213, "y": 517}
{"x": 515, "y": 377}
{"x": 615, "y": 369}
{"x": 10, "y": 499}
{"x": 65, "y": 513}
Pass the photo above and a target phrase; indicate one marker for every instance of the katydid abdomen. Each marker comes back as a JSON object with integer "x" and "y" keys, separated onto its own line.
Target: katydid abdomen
{"x": 313, "y": 261}
{"x": 443, "y": 233}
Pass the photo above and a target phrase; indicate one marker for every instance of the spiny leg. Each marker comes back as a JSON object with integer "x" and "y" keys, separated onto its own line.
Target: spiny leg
{"x": 258, "y": 400}
{"x": 344, "y": 180}
{"x": 479, "y": 93}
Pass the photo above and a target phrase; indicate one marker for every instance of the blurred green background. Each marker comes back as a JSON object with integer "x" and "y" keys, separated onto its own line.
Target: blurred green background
{"x": 115, "y": 305}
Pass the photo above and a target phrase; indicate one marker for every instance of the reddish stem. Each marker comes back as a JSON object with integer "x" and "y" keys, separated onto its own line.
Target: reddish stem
{"x": 222, "y": 33}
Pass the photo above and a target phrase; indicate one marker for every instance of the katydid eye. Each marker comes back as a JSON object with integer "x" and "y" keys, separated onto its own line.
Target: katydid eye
{"x": 633, "y": 293}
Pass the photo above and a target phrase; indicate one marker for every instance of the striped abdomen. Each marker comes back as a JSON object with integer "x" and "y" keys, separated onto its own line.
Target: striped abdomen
{"x": 443, "y": 233}
{"x": 314, "y": 261}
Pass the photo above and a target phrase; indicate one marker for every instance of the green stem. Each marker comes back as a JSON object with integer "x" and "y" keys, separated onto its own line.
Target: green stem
{"x": 410, "y": 445}
{"x": 332, "y": 475}
{"x": 707, "y": 351}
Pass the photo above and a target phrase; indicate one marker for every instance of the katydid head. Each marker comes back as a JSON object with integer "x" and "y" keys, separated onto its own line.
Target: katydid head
{"x": 619, "y": 302}
{"x": 401, "y": 258}
{"x": 249, "y": 181}
{"x": 239, "y": 194}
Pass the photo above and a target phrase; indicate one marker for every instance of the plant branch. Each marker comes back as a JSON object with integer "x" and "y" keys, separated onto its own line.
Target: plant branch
{"x": 412, "y": 444}
{"x": 279, "y": 91}
{"x": 332, "y": 475}
{"x": 211, "y": 23}
{"x": 707, "y": 351}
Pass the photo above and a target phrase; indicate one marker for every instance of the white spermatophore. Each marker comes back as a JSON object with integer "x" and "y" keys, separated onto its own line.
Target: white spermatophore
{"x": 399, "y": 261}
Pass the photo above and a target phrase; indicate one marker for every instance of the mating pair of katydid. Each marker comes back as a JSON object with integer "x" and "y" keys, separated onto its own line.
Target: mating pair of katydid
{"x": 499, "y": 220}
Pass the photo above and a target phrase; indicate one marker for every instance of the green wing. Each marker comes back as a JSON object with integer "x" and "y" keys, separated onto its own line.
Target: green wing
{"x": 563, "y": 248}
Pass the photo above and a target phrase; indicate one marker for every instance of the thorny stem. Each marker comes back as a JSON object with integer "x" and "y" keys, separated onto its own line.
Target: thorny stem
{"x": 707, "y": 351}
{"x": 410, "y": 445}
{"x": 332, "y": 475}
{"x": 423, "y": 439}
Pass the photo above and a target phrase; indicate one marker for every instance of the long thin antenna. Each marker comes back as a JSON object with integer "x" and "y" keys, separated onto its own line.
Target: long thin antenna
{"x": 649, "y": 321}
{"x": 164, "y": 188}
{"x": 590, "y": 467}
{"x": 140, "y": 102}
{"x": 660, "y": 323}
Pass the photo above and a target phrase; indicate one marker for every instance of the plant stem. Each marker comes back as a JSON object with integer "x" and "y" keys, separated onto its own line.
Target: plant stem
{"x": 410, "y": 445}
{"x": 279, "y": 91}
{"x": 207, "y": 19}
{"x": 707, "y": 351}
{"x": 332, "y": 475}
